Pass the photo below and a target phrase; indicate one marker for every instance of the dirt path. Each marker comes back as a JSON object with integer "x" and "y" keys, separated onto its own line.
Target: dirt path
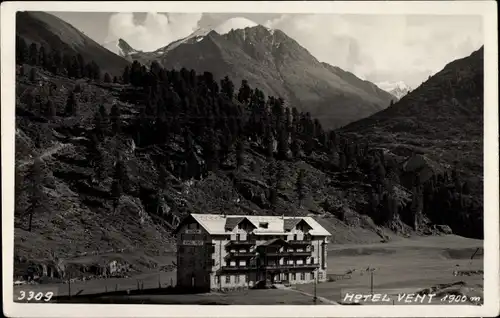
{"x": 49, "y": 152}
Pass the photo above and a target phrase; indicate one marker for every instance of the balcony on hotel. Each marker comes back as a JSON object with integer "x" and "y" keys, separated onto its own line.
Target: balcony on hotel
{"x": 299, "y": 242}
{"x": 239, "y": 242}
{"x": 291, "y": 266}
{"x": 238, "y": 268}
{"x": 240, "y": 254}
{"x": 288, "y": 253}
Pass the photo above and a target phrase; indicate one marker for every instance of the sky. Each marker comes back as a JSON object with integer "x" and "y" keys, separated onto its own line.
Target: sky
{"x": 378, "y": 48}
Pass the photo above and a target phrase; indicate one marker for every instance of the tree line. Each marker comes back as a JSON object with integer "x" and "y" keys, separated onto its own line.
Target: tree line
{"x": 224, "y": 119}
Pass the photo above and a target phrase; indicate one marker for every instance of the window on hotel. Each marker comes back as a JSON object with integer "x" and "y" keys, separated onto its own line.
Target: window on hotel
{"x": 213, "y": 262}
{"x": 312, "y": 248}
{"x": 295, "y": 237}
{"x": 238, "y": 237}
{"x": 312, "y": 260}
{"x": 264, "y": 225}
{"x": 217, "y": 280}
{"x": 312, "y": 275}
{"x": 294, "y": 276}
{"x": 237, "y": 279}
{"x": 228, "y": 279}
{"x": 320, "y": 275}
{"x": 302, "y": 276}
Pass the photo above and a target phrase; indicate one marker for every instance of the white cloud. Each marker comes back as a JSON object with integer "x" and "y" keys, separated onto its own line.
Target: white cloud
{"x": 155, "y": 31}
{"x": 385, "y": 47}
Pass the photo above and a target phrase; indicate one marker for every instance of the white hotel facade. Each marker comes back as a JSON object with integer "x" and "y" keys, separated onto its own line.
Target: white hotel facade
{"x": 216, "y": 251}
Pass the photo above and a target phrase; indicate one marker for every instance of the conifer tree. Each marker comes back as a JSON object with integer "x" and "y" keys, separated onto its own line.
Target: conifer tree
{"x": 126, "y": 75}
{"x": 300, "y": 186}
{"x": 269, "y": 143}
{"x": 66, "y": 63}
{"x": 98, "y": 125}
{"x": 294, "y": 146}
{"x": 283, "y": 146}
{"x": 50, "y": 109}
{"x": 71, "y": 105}
{"x": 227, "y": 87}
{"x": 136, "y": 74}
{"x": 240, "y": 150}
{"x": 80, "y": 65}
{"x": 116, "y": 192}
{"x": 244, "y": 92}
{"x": 273, "y": 198}
{"x": 280, "y": 175}
{"x": 107, "y": 78}
{"x": 37, "y": 198}
{"x": 212, "y": 151}
{"x": 466, "y": 188}
{"x": 42, "y": 58}
{"x": 115, "y": 119}
{"x": 33, "y": 54}
{"x": 57, "y": 61}
{"x": 121, "y": 174}
{"x": 96, "y": 71}
{"x": 21, "y": 50}
{"x": 33, "y": 75}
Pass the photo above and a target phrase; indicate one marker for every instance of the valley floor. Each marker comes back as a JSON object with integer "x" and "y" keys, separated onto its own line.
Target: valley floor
{"x": 406, "y": 265}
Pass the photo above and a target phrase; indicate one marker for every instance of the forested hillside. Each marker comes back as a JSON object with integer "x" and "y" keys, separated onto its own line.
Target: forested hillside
{"x": 109, "y": 163}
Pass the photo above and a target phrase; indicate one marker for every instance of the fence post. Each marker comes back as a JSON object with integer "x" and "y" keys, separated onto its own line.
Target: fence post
{"x": 69, "y": 284}
{"x": 371, "y": 282}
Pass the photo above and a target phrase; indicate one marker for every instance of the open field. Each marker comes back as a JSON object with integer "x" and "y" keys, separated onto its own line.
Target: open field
{"x": 402, "y": 266}
{"x": 242, "y": 297}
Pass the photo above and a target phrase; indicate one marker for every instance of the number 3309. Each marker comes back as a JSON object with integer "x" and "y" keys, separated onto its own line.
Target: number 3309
{"x": 31, "y": 295}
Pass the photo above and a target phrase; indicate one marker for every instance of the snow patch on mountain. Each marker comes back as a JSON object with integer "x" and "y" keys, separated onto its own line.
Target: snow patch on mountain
{"x": 234, "y": 24}
{"x": 120, "y": 47}
{"x": 397, "y": 89}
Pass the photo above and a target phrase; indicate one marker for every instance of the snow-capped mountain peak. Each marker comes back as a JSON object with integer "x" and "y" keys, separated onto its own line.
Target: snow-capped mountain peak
{"x": 234, "y": 24}
{"x": 397, "y": 89}
{"x": 120, "y": 47}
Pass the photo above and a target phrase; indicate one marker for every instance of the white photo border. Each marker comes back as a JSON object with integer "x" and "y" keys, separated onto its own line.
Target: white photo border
{"x": 486, "y": 9}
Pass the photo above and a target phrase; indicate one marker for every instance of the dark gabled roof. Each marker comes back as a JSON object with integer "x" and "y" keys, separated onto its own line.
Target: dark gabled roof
{"x": 182, "y": 222}
{"x": 274, "y": 242}
{"x": 290, "y": 223}
{"x": 232, "y": 222}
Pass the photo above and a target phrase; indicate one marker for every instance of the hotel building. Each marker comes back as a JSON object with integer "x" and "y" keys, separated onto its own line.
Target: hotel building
{"x": 216, "y": 251}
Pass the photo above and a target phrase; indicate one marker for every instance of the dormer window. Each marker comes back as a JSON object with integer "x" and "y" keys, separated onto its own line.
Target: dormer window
{"x": 264, "y": 225}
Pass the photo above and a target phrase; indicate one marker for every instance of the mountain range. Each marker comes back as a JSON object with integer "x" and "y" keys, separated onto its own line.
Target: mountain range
{"x": 53, "y": 33}
{"x": 397, "y": 89}
{"x": 407, "y": 169}
{"x": 271, "y": 60}
{"x": 442, "y": 120}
